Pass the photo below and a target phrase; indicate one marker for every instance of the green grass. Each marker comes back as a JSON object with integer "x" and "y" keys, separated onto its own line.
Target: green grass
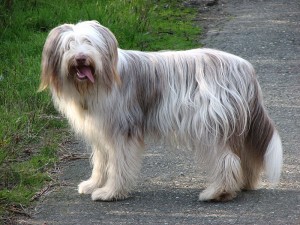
{"x": 31, "y": 131}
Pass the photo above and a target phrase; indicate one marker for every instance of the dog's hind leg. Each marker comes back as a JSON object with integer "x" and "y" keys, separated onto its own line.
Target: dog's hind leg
{"x": 251, "y": 172}
{"x": 124, "y": 162}
{"x": 226, "y": 178}
{"x": 98, "y": 177}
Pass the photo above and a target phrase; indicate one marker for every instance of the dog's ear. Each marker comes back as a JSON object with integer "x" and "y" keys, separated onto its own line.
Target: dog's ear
{"x": 110, "y": 56}
{"x": 51, "y": 58}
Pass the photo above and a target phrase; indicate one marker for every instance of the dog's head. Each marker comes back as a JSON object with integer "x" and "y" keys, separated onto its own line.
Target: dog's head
{"x": 84, "y": 54}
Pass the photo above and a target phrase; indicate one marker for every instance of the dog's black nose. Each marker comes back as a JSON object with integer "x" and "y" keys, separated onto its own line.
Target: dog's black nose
{"x": 80, "y": 59}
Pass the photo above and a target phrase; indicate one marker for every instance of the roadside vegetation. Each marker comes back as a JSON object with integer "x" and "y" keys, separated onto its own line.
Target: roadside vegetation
{"x": 31, "y": 132}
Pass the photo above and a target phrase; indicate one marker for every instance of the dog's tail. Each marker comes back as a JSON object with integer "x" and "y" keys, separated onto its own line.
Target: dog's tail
{"x": 263, "y": 147}
{"x": 273, "y": 159}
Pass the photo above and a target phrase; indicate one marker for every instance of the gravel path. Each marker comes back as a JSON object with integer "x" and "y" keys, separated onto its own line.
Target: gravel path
{"x": 267, "y": 33}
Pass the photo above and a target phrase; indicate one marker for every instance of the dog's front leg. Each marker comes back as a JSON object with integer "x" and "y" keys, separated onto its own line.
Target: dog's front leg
{"x": 123, "y": 166}
{"x": 98, "y": 177}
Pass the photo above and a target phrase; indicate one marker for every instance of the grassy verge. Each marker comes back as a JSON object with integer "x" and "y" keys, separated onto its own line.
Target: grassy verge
{"x": 30, "y": 129}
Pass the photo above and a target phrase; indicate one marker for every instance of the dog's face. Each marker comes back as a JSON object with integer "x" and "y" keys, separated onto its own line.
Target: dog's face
{"x": 83, "y": 55}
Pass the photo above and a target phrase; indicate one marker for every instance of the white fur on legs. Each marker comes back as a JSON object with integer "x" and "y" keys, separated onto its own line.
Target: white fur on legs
{"x": 226, "y": 178}
{"x": 98, "y": 176}
{"x": 124, "y": 162}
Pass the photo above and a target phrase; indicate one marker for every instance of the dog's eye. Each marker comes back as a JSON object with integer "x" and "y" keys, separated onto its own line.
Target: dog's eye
{"x": 87, "y": 41}
{"x": 69, "y": 44}
{"x": 67, "y": 48}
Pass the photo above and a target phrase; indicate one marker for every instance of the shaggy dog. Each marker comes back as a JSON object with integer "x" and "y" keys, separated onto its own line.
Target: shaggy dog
{"x": 207, "y": 99}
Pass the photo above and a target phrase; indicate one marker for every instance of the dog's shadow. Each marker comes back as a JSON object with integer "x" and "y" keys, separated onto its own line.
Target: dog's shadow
{"x": 163, "y": 203}
{"x": 176, "y": 205}
{"x": 159, "y": 203}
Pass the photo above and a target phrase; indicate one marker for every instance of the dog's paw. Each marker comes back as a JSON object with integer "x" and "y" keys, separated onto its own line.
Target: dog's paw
{"x": 218, "y": 196}
{"x": 87, "y": 187}
{"x": 207, "y": 195}
{"x": 105, "y": 194}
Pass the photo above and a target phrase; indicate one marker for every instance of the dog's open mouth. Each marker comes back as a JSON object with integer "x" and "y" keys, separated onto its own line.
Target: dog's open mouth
{"x": 84, "y": 73}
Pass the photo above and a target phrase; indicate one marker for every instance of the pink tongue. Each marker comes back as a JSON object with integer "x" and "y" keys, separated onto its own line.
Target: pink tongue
{"x": 85, "y": 71}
